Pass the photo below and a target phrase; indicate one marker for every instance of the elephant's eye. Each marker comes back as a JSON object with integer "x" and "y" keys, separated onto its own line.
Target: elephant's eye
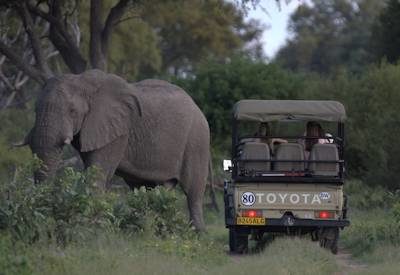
{"x": 72, "y": 112}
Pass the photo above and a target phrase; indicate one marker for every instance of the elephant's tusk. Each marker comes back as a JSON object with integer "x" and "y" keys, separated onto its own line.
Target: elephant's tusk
{"x": 67, "y": 141}
{"x": 19, "y": 144}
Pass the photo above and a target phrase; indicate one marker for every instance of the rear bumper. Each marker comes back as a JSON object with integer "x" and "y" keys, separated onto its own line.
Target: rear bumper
{"x": 290, "y": 221}
{"x": 306, "y": 222}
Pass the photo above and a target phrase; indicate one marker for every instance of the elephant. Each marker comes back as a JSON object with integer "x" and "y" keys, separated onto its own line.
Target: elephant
{"x": 149, "y": 133}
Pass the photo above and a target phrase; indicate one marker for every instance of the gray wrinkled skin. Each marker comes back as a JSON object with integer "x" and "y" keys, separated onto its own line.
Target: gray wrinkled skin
{"x": 149, "y": 133}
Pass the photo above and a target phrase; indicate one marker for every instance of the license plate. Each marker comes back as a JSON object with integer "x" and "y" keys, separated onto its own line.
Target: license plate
{"x": 250, "y": 221}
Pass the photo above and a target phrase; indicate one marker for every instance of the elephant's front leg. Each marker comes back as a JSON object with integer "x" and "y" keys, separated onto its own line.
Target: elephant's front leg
{"x": 107, "y": 159}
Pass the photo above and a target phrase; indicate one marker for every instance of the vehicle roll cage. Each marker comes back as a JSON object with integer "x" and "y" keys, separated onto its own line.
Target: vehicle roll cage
{"x": 286, "y": 176}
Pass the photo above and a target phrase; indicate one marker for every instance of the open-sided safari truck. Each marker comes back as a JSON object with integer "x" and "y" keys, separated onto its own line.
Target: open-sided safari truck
{"x": 283, "y": 186}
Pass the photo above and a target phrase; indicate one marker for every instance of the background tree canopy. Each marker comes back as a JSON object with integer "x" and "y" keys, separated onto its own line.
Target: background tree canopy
{"x": 329, "y": 35}
{"x": 386, "y": 33}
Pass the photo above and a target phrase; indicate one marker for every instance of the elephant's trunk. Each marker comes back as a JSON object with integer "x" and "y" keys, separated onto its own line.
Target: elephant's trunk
{"x": 47, "y": 144}
{"x": 50, "y": 163}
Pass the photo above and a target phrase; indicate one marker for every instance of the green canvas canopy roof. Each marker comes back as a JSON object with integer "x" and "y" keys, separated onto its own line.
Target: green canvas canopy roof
{"x": 273, "y": 110}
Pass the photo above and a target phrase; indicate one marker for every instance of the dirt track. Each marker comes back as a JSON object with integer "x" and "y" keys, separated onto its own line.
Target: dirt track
{"x": 346, "y": 264}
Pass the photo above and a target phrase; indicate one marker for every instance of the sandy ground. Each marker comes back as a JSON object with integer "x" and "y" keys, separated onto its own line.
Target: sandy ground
{"x": 347, "y": 264}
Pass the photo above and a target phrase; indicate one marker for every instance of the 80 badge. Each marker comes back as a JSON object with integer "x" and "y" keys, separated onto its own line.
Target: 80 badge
{"x": 248, "y": 198}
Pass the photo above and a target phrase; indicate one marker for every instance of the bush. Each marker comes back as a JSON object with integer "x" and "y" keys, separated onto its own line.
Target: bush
{"x": 370, "y": 229}
{"x": 365, "y": 197}
{"x": 14, "y": 125}
{"x": 53, "y": 210}
{"x": 152, "y": 211}
{"x": 70, "y": 207}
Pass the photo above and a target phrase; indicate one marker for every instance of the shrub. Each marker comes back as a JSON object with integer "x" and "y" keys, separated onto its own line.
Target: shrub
{"x": 58, "y": 210}
{"x": 70, "y": 207}
{"x": 370, "y": 229}
{"x": 365, "y": 197}
{"x": 14, "y": 125}
{"x": 153, "y": 211}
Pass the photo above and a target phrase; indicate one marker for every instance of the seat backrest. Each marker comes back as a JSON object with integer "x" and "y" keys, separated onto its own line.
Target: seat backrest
{"x": 289, "y": 151}
{"x": 324, "y": 152}
{"x": 256, "y": 150}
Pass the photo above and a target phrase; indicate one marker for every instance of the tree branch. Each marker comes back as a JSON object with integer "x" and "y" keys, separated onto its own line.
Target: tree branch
{"x": 113, "y": 17}
{"x": 97, "y": 59}
{"x": 13, "y": 88}
{"x": 60, "y": 38}
{"x": 115, "y": 14}
{"x": 34, "y": 39}
{"x": 126, "y": 19}
{"x": 16, "y": 60}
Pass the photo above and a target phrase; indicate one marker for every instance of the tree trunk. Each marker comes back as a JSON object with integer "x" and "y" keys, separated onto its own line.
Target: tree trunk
{"x": 97, "y": 57}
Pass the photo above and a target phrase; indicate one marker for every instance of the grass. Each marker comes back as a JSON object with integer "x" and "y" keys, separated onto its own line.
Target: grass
{"x": 121, "y": 252}
{"x": 117, "y": 254}
{"x": 383, "y": 259}
{"x": 369, "y": 229}
{"x": 67, "y": 227}
{"x": 374, "y": 239}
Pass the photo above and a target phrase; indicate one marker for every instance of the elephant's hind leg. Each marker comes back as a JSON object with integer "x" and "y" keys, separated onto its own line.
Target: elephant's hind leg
{"x": 193, "y": 183}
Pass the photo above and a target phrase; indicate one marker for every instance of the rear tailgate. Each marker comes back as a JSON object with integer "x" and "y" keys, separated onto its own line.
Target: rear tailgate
{"x": 301, "y": 200}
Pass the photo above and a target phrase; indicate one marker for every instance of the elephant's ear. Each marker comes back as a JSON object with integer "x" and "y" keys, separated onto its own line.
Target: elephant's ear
{"x": 111, "y": 112}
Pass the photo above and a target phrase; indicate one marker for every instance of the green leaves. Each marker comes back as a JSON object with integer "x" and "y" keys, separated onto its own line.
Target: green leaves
{"x": 330, "y": 35}
{"x": 72, "y": 207}
{"x": 218, "y": 86}
{"x": 386, "y": 31}
{"x": 153, "y": 212}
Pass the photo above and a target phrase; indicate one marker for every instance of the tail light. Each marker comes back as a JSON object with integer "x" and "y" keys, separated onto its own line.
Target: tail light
{"x": 251, "y": 213}
{"x": 324, "y": 214}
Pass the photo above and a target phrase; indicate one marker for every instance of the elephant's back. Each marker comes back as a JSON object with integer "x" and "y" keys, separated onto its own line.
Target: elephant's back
{"x": 160, "y": 98}
{"x": 162, "y": 89}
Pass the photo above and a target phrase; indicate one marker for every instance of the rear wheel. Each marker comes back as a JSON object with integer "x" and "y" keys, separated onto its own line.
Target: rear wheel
{"x": 329, "y": 239}
{"x": 238, "y": 241}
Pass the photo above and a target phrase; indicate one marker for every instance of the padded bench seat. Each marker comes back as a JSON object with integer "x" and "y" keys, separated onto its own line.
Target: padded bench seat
{"x": 326, "y": 152}
{"x": 289, "y": 151}
{"x": 256, "y": 151}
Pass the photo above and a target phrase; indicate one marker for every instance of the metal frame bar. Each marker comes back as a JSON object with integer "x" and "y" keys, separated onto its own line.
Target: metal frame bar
{"x": 235, "y": 144}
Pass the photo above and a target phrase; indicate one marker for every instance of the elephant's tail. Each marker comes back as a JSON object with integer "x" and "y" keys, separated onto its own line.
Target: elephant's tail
{"x": 214, "y": 203}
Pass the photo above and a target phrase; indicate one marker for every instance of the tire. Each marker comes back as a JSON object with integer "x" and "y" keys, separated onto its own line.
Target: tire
{"x": 314, "y": 236}
{"x": 238, "y": 242}
{"x": 329, "y": 239}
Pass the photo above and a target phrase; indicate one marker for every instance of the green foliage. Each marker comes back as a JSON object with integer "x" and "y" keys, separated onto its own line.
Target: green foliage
{"x": 191, "y": 31}
{"x": 119, "y": 254}
{"x": 386, "y": 33}
{"x": 384, "y": 259}
{"x": 370, "y": 229}
{"x": 328, "y": 35}
{"x": 372, "y": 128}
{"x": 59, "y": 210}
{"x": 12, "y": 261}
{"x": 172, "y": 37}
{"x": 14, "y": 126}
{"x": 71, "y": 207}
{"x": 152, "y": 212}
{"x": 362, "y": 196}
{"x": 375, "y": 219}
{"x": 396, "y": 211}
{"x": 372, "y": 151}
{"x": 217, "y": 87}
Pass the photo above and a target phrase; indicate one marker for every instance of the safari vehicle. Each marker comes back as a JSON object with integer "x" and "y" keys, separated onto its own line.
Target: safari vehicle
{"x": 280, "y": 190}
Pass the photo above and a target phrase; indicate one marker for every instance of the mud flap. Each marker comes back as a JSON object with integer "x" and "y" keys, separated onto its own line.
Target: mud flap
{"x": 238, "y": 241}
{"x": 329, "y": 238}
